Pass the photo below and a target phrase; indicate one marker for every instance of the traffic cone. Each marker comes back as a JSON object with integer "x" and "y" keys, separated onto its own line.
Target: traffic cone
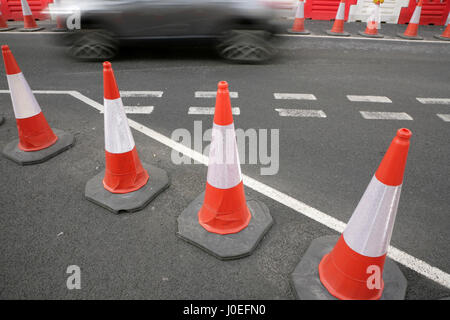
{"x": 125, "y": 185}
{"x": 28, "y": 19}
{"x": 373, "y": 24}
{"x": 338, "y": 26}
{"x": 60, "y": 20}
{"x": 223, "y": 209}
{"x": 299, "y": 22}
{"x": 446, "y": 34}
{"x": 3, "y": 25}
{"x": 37, "y": 141}
{"x": 413, "y": 26}
{"x": 355, "y": 268}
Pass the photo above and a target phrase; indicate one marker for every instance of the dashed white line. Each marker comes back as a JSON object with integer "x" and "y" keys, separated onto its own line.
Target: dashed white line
{"x": 153, "y": 94}
{"x": 445, "y": 117}
{"x": 377, "y": 99}
{"x": 138, "y": 109}
{"x": 212, "y": 94}
{"x": 305, "y": 113}
{"x": 294, "y": 96}
{"x": 210, "y": 110}
{"x": 385, "y": 115}
{"x": 434, "y": 100}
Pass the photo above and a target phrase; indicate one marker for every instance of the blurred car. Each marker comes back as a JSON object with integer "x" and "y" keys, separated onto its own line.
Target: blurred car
{"x": 242, "y": 30}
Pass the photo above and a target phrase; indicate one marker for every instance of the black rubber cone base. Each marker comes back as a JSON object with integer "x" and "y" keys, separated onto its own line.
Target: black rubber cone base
{"x": 64, "y": 142}
{"x": 229, "y": 246}
{"x": 127, "y": 202}
{"x": 362, "y": 33}
{"x": 307, "y": 286}
{"x": 30, "y": 29}
{"x": 7, "y": 29}
{"x": 305, "y": 32}
{"x": 338, "y": 34}
{"x": 441, "y": 37}
{"x": 401, "y": 35}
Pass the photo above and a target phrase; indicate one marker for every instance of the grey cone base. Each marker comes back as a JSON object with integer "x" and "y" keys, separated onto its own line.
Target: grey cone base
{"x": 127, "y": 202}
{"x": 229, "y": 246}
{"x": 307, "y": 286}
{"x": 343, "y": 34}
{"x": 370, "y": 35}
{"x": 6, "y": 29}
{"x": 441, "y": 37}
{"x": 401, "y": 35}
{"x": 64, "y": 142}
{"x": 305, "y": 32}
{"x": 30, "y": 29}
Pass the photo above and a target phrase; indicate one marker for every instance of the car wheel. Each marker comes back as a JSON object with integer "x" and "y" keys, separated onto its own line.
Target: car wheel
{"x": 94, "y": 46}
{"x": 246, "y": 46}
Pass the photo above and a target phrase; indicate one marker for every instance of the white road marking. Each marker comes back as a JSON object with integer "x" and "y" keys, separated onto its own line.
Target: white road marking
{"x": 294, "y": 96}
{"x": 138, "y": 109}
{"x": 419, "y": 266}
{"x": 445, "y": 117}
{"x": 210, "y": 110}
{"x": 154, "y": 94}
{"x": 305, "y": 113}
{"x": 212, "y": 94}
{"x": 379, "y": 99}
{"x": 434, "y": 100}
{"x": 385, "y": 115}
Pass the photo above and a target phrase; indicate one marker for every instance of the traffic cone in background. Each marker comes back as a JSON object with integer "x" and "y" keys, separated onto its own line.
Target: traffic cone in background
{"x": 3, "y": 25}
{"x": 125, "y": 185}
{"x": 299, "y": 22}
{"x": 28, "y": 19}
{"x": 223, "y": 209}
{"x": 37, "y": 141}
{"x": 60, "y": 19}
{"x": 413, "y": 26}
{"x": 355, "y": 268}
{"x": 446, "y": 34}
{"x": 373, "y": 23}
{"x": 338, "y": 25}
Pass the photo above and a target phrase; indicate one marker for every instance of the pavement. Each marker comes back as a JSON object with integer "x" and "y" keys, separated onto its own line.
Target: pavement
{"x": 327, "y": 159}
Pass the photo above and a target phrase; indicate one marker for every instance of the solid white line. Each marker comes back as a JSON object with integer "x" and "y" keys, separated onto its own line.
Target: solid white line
{"x": 212, "y": 94}
{"x": 434, "y": 100}
{"x": 445, "y": 117}
{"x": 138, "y": 109}
{"x": 379, "y": 99}
{"x": 400, "y": 256}
{"x": 305, "y": 113}
{"x": 154, "y": 94}
{"x": 385, "y": 115}
{"x": 210, "y": 110}
{"x": 294, "y": 96}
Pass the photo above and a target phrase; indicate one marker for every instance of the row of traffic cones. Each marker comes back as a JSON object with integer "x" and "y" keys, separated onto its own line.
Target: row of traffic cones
{"x": 223, "y": 221}
{"x": 373, "y": 23}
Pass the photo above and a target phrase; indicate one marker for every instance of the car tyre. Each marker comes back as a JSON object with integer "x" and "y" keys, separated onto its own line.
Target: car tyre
{"x": 94, "y": 46}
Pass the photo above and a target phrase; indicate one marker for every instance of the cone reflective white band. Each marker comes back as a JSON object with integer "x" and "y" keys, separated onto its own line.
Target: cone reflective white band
{"x": 377, "y": 209}
{"x": 224, "y": 170}
{"x": 23, "y": 100}
{"x": 416, "y": 15}
{"x": 341, "y": 11}
{"x": 300, "y": 10}
{"x": 374, "y": 19}
{"x": 118, "y": 137}
{"x": 448, "y": 19}
{"x": 25, "y": 8}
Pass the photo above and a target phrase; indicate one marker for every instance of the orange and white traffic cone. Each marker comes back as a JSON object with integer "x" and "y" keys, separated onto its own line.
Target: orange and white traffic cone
{"x": 411, "y": 31}
{"x": 125, "y": 185}
{"x": 373, "y": 23}
{"x": 446, "y": 34}
{"x": 299, "y": 23}
{"x": 60, "y": 19}
{"x": 37, "y": 141}
{"x": 223, "y": 209}
{"x": 3, "y": 25}
{"x": 338, "y": 25}
{"x": 355, "y": 268}
{"x": 28, "y": 19}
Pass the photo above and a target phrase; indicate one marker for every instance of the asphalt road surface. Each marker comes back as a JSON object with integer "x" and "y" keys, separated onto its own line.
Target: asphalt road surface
{"x": 326, "y": 162}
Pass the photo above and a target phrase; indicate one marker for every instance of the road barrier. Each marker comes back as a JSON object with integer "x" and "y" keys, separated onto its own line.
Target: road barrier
{"x": 299, "y": 21}
{"x": 3, "y": 25}
{"x": 338, "y": 25}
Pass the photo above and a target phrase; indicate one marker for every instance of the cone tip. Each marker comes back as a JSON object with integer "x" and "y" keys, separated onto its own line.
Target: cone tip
{"x": 5, "y": 48}
{"x": 107, "y": 65}
{"x": 404, "y": 133}
{"x": 222, "y": 85}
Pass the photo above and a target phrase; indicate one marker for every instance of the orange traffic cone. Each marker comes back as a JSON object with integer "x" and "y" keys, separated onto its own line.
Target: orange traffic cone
{"x": 3, "y": 25}
{"x": 28, "y": 19}
{"x": 125, "y": 185}
{"x": 373, "y": 24}
{"x": 411, "y": 31}
{"x": 299, "y": 22}
{"x": 60, "y": 19}
{"x": 338, "y": 25}
{"x": 37, "y": 141}
{"x": 446, "y": 34}
{"x": 223, "y": 208}
{"x": 357, "y": 268}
